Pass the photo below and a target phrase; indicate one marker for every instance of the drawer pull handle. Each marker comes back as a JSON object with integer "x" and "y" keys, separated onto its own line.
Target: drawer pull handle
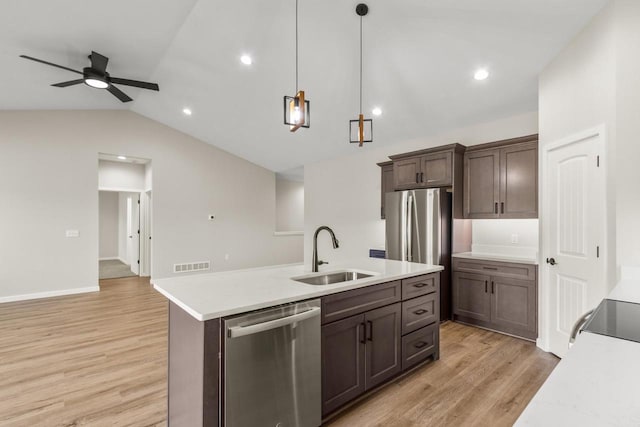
{"x": 420, "y": 285}
{"x": 421, "y": 311}
{"x": 490, "y": 268}
{"x": 420, "y": 344}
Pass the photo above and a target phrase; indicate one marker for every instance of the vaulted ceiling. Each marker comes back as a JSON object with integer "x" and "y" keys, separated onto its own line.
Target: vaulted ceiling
{"x": 419, "y": 60}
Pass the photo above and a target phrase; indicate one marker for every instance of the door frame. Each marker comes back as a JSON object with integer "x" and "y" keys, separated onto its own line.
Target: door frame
{"x": 544, "y": 292}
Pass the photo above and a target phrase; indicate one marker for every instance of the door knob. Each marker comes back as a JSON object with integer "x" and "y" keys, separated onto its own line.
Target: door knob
{"x": 551, "y": 261}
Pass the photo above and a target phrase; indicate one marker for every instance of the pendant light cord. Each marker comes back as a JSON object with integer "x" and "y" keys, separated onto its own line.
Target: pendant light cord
{"x": 360, "y": 64}
{"x": 296, "y": 46}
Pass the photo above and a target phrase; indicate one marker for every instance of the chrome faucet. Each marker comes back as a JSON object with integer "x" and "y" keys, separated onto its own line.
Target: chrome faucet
{"x": 315, "y": 262}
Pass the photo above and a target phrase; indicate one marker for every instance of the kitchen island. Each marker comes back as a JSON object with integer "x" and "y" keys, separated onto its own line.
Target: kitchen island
{"x": 375, "y": 327}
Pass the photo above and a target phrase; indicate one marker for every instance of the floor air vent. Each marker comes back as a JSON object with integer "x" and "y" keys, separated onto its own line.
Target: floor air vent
{"x": 191, "y": 266}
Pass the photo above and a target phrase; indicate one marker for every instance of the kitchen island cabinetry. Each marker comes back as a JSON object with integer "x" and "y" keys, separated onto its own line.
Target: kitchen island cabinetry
{"x": 377, "y": 343}
{"x": 349, "y": 345}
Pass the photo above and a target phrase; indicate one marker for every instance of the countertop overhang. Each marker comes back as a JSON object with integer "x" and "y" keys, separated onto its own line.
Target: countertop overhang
{"x": 210, "y": 296}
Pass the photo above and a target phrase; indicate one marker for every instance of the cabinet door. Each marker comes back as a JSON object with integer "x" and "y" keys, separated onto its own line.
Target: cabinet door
{"x": 513, "y": 306}
{"x": 387, "y": 185}
{"x": 343, "y": 352}
{"x": 519, "y": 181}
{"x": 437, "y": 170}
{"x": 481, "y": 184}
{"x": 472, "y": 296}
{"x": 406, "y": 173}
{"x": 383, "y": 344}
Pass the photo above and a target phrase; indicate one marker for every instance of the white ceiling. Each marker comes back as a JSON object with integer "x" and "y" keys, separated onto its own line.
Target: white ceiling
{"x": 420, "y": 56}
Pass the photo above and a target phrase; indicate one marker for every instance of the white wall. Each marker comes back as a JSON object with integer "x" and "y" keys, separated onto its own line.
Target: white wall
{"x": 577, "y": 91}
{"x": 495, "y": 236}
{"x": 289, "y": 205}
{"x": 121, "y": 176}
{"x": 108, "y": 219}
{"x": 628, "y": 133}
{"x": 49, "y": 183}
{"x": 344, "y": 193}
{"x": 595, "y": 81}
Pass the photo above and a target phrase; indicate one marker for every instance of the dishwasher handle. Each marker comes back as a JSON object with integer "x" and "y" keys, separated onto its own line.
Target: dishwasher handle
{"x": 241, "y": 331}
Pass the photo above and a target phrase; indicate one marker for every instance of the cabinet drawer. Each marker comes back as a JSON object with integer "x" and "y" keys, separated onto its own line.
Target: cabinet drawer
{"x": 419, "y": 345}
{"x": 421, "y": 285}
{"x": 496, "y": 268}
{"x": 345, "y": 304}
{"x": 419, "y": 312}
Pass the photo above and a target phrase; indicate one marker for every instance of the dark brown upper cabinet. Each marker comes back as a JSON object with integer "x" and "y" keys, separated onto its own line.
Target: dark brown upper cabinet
{"x": 433, "y": 167}
{"x": 386, "y": 169}
{"x": 406, "y": 173}
{"x": 437, "y": 169}
{"x": 501, "y": 179}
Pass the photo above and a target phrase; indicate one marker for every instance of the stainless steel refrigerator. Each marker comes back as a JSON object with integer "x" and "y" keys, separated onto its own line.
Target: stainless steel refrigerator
{"x": 418, "y": 229}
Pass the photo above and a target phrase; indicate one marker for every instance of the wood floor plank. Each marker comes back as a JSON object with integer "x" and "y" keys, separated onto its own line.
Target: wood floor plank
{"x": 100, "y": 359}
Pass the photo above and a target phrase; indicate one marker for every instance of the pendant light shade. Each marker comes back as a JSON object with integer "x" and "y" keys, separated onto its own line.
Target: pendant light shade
{"x": 297, "y": 108}
{"x": 296, "y": 111}
{"x": 361, "y": 129}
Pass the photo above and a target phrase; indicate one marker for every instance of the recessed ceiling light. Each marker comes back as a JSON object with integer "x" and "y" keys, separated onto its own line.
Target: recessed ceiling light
{"x": 187, "y": 111}
{"x": 246, "y": 60}
{"x": 376, "y": 111}
{"x": 481, "y": 74}
{"x": 122, "y": 158}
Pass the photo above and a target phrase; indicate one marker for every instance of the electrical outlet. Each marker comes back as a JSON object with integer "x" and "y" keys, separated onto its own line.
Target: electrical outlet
{"x": 514, "y": 238}
{"x": 226, "y": 257}
{"x": 72, "y": 233}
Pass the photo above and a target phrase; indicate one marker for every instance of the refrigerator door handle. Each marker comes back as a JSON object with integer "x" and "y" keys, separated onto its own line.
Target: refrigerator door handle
{"x": 409, "y": 247}
{"x": 414, "y": 220}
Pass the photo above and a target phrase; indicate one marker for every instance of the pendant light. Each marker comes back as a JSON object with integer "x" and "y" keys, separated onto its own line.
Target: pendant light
{"x": 296, "y": 108}
{"x": 361, "y": 129}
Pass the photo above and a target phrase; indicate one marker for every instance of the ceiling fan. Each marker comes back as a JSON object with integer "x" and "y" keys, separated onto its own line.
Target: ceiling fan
{"x": 97, "y": 77}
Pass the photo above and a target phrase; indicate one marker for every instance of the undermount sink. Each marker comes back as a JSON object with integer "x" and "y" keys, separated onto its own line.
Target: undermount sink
{"x": 331, "y": 277}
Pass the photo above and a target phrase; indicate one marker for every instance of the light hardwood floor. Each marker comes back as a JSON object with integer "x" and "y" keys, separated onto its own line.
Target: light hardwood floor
{"x": 101, "y": 359}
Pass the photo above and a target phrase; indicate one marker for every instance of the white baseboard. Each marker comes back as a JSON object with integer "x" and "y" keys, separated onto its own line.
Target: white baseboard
{"x": 108, "y": 258}
{"x": 49, "y": 294}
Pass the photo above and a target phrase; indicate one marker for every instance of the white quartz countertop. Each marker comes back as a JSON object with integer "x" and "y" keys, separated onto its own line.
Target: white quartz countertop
{"x": 496, "y": 257}
{"x": 209, "y": 296}
{"x": 596, "y": 384}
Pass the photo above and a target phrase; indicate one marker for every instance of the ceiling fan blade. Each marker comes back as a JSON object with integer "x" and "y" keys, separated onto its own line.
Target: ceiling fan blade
{"x": 98, "y": 62}
{"x": 69, "y": 83}
{"x": 49, "y": 63}
{"x": 119, "y": 94}
{"x": 135, "y": 83}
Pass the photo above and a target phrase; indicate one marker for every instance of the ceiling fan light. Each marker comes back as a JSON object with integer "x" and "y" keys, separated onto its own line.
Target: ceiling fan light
{"x": 98, "y": 84}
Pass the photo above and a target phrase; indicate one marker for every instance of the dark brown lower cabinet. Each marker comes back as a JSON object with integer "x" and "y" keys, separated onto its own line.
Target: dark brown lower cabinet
{"x": 514, "y": 305}
{"x": 471, "y": 298}
{"x": 343, "y": 366}
{"x": 372, "y": 346}
{"x": 496, "y": 301}
{"x": 383, "y": 344}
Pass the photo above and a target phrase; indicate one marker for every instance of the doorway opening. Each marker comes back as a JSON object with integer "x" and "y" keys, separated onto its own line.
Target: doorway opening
{"x": 124, "y": 194}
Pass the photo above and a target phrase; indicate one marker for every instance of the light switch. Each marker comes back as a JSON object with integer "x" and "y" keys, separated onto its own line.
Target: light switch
{"x": 72, "y": 233}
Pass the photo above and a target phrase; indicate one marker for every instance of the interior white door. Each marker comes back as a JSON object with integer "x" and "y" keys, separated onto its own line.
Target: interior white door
{"x": 133, "y": 232}
{"x": 574, "y": 227}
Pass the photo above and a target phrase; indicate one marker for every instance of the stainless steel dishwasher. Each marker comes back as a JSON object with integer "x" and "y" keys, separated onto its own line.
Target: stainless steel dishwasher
{"x": 272, "y": 367}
